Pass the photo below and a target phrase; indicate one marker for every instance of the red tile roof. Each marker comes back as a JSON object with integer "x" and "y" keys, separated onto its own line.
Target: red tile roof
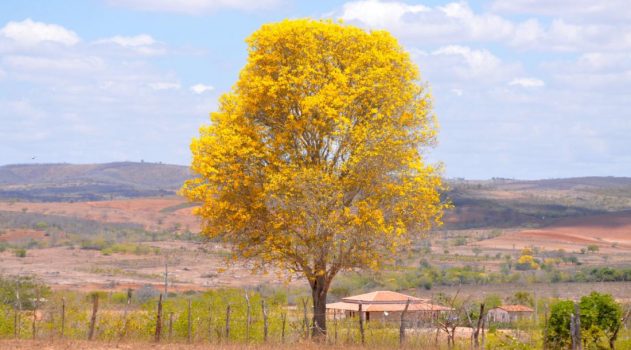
{"x": 383, "y": 297}
{"x": 515, "y": 308}
{"x": 427, "y": 307}
{"x": 385, "y": 301}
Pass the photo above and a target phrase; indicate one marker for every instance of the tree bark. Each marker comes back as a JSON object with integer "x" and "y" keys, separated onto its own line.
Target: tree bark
{"x": 319, "y": 289}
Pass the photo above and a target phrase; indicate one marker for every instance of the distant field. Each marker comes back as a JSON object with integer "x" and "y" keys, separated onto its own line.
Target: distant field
{"x": 168, "y": 213}
{"x": 610, "y": 232}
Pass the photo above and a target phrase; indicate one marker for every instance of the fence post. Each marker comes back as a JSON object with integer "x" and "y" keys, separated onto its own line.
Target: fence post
{"x": 189, "y": 321}
{"x": 361, "y": 323}
{"x": 284, "y": 322}
{"x": 170, "y": 326}
{"x": 228, "y": 322}
{"x": 35, "y": 306}
{"x": 63, "y": 316}
{"x": 305, "y": 320}
{"x": 545, "y": 327}
{"x": 248, "y": 320}
{"x": 159, "y": 320}
{"x": 123, "y": 332}
{"x": 95, "y": 309}
{"x": 18, "y": 314}
{"x": 335, "y": 326}
{"x": 264, "y": 320}
{"x": 576, "y": 334}
{"x": 210, "y": 320}
{"x": 402, "y": 325}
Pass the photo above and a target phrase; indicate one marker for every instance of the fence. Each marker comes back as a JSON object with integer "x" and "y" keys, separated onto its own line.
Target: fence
{"x": 212, "y": 317}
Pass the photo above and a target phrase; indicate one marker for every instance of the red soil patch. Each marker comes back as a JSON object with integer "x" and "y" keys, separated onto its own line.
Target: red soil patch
{"x": 16, "y": 235}
{"x": 608, "y": 231}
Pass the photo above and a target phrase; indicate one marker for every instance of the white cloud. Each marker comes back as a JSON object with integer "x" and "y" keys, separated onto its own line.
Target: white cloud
{"x": 456, "y": 22}
{"x": 457, "y": 92}
{"x": 584, "y": 9}
{"x": 164, "y": 86}
{"x": 194, "y": 7}
{"x": 130, "y": 41}
{"x": 201, "y": 88}
{"x": 527, "y": 82}
{"x": 143, "y": 44}
{"x": 377, "y": 13}
{"x": 478, "y": 61}
{"x": 31, "y": 33}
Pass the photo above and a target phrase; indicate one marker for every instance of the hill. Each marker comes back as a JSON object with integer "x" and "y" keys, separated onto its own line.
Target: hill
{"x": 89, "y": 182}
{"x": 509, "y": 203}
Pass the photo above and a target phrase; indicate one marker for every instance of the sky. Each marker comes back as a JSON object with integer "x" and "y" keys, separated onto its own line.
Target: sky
{"x": 524, "y": 89}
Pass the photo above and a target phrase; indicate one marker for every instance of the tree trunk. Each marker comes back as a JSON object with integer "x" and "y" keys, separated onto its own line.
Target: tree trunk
{"x": 319, "y": 291}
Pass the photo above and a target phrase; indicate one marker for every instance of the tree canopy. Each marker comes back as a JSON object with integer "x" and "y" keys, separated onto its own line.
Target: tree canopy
{"x": 314, "y": 161}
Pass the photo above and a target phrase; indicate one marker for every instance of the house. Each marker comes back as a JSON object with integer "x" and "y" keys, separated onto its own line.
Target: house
{"x": 509, "y": 313}
{"x": 385, "y": 306}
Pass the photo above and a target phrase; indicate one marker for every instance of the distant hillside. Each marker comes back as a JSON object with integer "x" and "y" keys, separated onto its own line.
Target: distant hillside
{"x": 534, "y": 203}
{"x": 84, "y": 182}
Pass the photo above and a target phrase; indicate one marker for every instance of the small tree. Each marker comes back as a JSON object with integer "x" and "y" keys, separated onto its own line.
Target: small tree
{"x": 559, "y": 335}
{"x": 592, "y": 248}
{"x": 601, "y": 317}
{"x": 314, "y": 161}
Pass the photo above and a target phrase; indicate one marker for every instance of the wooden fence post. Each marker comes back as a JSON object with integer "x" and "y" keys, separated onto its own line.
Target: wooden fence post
{"x": 361, "y": 324}
{"x": 210, "y": 321}
{"x": 335, "y": 326}
{"x": 248, "y": 315}
{"x": 189, "y": 333}
{"x": 305, "y": 320}
{"x": 35, "y": 307}
{"x": 284, "y": 323}
{"x": 158, "y": 334}
{"x": 545, "y": 327}
{"x": 578, "y": 326}
{"x": 63, "y": 316}
{"x": 171, "y": 326}
{"x": 402, "y": 325}
{"x": 18, "y": 314}
{"x": 228, "y": 322}
{"x": 123, "y": 331}
{"x": 476, "y": 333}
{"x": 265, "y": 325}
{"x": 95, "y": 309}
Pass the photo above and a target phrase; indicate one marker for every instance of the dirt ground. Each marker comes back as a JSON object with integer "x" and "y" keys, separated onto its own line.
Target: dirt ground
{"x": 191, "y": 266}
{"x": 152, "y": 213}
{"x": 610, "y": 232}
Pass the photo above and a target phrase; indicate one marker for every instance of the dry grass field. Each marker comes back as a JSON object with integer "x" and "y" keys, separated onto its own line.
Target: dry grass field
{"x": 168, "y": 213}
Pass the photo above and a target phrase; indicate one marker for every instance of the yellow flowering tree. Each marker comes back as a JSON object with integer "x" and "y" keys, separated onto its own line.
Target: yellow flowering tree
{"x": 314, "y": 162}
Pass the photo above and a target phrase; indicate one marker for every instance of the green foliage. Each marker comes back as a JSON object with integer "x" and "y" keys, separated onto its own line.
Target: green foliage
{"x": 592, "y": 248}
{"x": 523, "y": 298}
{"x": 600, "y": 317}
{"x": 130, "y": 248}
{"x": 492, "y": 301}
{"x": 559, "y": 336}
{"x": 20, "y": 252}
{"x": 27, "y": 288}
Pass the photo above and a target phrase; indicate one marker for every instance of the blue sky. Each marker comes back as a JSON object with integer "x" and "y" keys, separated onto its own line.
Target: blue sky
{"x": 522, "y": 88}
